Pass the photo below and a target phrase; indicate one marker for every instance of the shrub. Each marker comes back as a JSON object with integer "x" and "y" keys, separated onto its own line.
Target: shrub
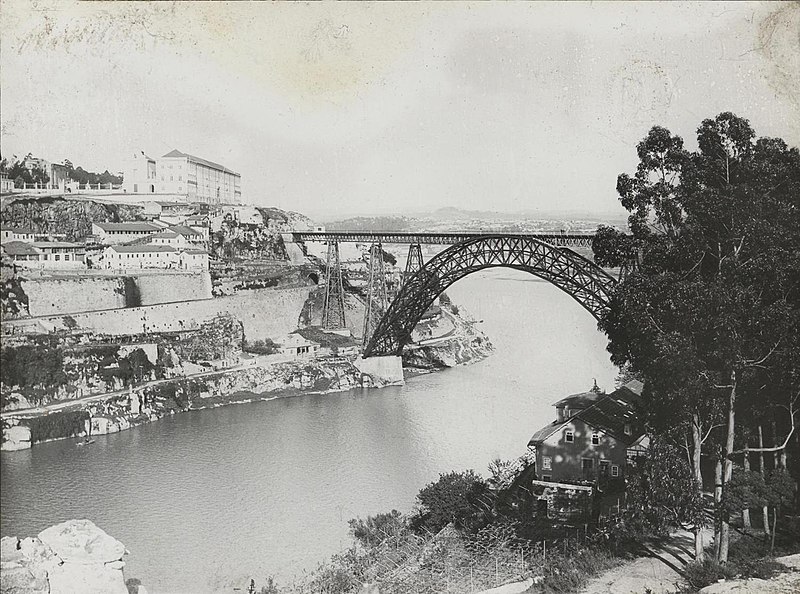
{"x": 375, "y": 529}
{"x": 57, "y": 424}
{"x": 700, "y": 575}
{"x": 570, "y": 573}
{"x": 261, "y": 347}
{"x": 459, "y": 497}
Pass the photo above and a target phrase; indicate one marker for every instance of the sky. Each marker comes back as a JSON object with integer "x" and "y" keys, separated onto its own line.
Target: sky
{"x": 337, "y": 109}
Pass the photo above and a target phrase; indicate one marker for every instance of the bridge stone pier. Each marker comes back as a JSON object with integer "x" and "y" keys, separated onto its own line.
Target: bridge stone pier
{"x": 381, "y": 371}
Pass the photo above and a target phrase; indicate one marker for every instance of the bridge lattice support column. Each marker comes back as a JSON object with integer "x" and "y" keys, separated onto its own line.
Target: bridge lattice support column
{"x": 376, "y": 295}
{"x": 333, "y": 308}
{"x": 414, "y": 261}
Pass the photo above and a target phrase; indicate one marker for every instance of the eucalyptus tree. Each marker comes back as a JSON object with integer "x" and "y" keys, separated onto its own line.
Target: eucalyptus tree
{"x": 710, "y": 307}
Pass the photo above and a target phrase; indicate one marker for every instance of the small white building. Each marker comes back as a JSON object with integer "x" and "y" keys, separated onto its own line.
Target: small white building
{"x": 193, "y": 259}
{"x": 168, "y": 237}
{"x": 145, "y": 255}
{"x": 16, "y": 234}
{"x": 140, "y": 256}
{"x": 117, "y": 233}
{"x": 46, "y": 255}
{"x": 6, "y": 184}
{"x": 295, "y": 345}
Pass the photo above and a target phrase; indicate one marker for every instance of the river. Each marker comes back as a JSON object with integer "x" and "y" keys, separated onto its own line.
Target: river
{"x": 207, "y": 499}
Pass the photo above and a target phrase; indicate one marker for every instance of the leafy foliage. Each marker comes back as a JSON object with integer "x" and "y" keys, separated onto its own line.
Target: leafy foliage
{"x": 710, "y": 317}
{"x": 661, "y": 493}
{"x": 57, "y": 425}
{"x": 261, "y": 347}
{"x": 462, "y": 498}
{"x": 376, "y": 529}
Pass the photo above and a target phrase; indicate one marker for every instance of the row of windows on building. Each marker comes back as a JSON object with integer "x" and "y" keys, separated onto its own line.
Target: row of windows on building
{"x": 587, "y": 465}
{"x": 43, "y": 257}
{"x": 569, "y": 436}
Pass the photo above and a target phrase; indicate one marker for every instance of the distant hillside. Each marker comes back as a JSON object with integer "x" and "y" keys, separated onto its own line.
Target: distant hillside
{"x": 370, "y": 224}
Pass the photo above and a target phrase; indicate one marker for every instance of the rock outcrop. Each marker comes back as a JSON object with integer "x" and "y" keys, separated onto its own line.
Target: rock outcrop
{"x": 454, "y": 340}
{"x": 74, "y": 557}
{"x": 16, "y": 437}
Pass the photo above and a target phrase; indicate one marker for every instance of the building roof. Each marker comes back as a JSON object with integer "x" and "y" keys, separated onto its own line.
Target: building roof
{"x": 295, "y": 340}
{"x": 580, "y": 400}
{"x": 131, "y": 227}
{"x": 131, "y": 249}
{"x": 194, "y": 251}
{"x": 546, "y": 432}
{"x": 19, "y": 248}
{"x": 56, "y": 244}
{"x": 201, "y": 161}
{"x": 609, "y": 412}
{"x": 184, "y": 230}
{"x": 165, "y": 234}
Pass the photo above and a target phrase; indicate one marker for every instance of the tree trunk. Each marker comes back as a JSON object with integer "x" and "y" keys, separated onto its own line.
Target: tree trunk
{"x": 697, "y": 443}
{"x": 717, "y": 505}
{"x": 746, "y": 511}
{"x": 775, "y": 462}
{"x": 728, "y": 467}
{"x": 774, "y": 527}
{"x": 764, "y": 509}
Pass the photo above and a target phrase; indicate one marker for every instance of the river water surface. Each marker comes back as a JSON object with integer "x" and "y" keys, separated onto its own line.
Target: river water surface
{"x": 207, "y": 499}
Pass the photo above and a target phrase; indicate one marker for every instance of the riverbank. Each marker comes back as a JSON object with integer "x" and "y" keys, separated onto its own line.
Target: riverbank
{"x": 258, "y": 379}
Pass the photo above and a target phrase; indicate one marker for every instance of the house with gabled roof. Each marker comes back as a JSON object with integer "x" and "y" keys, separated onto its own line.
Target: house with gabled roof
{"x": 117, "y": 233}
{"x": 593, "y": 436}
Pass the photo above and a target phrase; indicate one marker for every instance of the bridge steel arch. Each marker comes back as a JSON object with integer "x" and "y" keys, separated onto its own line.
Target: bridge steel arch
{"x": 577, "y": 276}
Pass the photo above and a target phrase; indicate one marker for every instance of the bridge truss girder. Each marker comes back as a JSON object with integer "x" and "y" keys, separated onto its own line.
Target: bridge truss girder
{"x": 376, "y": 293}
{"x": 414, "y": 261}
{"x": 579, "y": 277}
{"x": 333, "y": 306}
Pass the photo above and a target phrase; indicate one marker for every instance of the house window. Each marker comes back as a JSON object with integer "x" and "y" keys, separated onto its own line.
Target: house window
{"x": 66, "y": 257}
{"x": 569, "y": 436}
{"x": 57, "y": 257}
{"x": 587, "y": 463}
{"x": 547, "y": 463}
{"x": 595, "y": 439}
{"x": 547, "y": 478}
{"x": 604, "y": 467}
{"x": 615, "y": 471}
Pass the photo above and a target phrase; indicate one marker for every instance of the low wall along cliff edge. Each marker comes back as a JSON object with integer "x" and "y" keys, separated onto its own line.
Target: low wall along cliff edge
{"x": 265, "y": 313}
{"x": 49, "y": 296}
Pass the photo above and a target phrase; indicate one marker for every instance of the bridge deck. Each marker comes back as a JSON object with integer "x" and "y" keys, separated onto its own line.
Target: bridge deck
{"x": 556, "y": 239}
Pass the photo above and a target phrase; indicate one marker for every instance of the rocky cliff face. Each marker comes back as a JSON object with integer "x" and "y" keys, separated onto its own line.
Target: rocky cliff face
{"x": 72, "y": 218}
{"x": 454, "y": 340}
{"x": 71, "y": 557}
{"x": 13, "y": 300}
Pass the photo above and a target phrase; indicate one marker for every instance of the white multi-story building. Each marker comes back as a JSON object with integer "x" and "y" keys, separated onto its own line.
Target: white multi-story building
{"x": 199, "y": 179}
{"x": 181, "y": 176}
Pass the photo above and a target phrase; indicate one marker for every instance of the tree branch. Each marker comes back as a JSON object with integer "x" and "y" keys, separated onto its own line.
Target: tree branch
{"x": 775, "y": 448}
{"x": 751, "y": 363}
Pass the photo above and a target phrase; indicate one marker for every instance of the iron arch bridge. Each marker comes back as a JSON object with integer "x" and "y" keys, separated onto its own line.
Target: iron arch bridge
{"x": 577, "y": 276}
